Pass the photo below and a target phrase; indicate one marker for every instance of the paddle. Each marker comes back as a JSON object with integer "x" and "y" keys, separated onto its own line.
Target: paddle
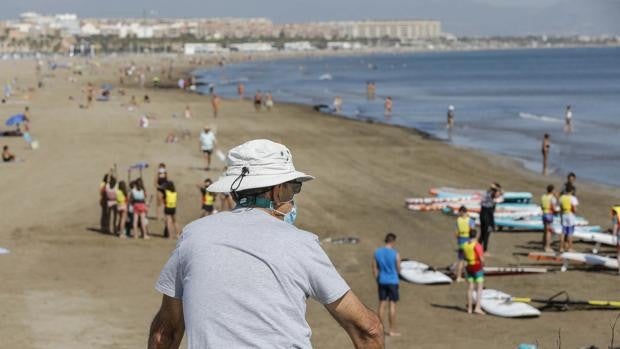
{"x": 564, "y": 303}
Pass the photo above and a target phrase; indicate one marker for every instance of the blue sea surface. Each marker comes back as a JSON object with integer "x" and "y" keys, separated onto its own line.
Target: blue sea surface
{"x": 504, "y": 100}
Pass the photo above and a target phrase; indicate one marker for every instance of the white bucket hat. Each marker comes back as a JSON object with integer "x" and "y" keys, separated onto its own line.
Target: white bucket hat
{"x": 267, "y": 164}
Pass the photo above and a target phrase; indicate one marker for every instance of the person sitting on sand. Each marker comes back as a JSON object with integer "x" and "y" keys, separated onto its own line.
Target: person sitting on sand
{"x": 138, "y": 200}
{"x": 464, "y": 226}
{"x": 208, "y": 198}
{"x": 568, "y": 205}
{"x": 188, "y": 112}
{"x": 170, "y": 210}
{"x": 7, "y": 156}
{"x": 474, "y": 257}
{"x": 385, "y": 268}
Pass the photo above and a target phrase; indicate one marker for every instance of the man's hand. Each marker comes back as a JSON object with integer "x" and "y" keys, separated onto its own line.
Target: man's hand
{"x": 168, "y": 325}
{"x": 361, "y": 323}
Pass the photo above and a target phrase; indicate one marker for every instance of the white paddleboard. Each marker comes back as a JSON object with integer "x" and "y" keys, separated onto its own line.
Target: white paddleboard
{"x": 419, "y": 273}
{"x": 498, "y": 303}
{"x": 601, "y": 238}
{"x": 591, "y": 259}
{"x": 4, "y": 250}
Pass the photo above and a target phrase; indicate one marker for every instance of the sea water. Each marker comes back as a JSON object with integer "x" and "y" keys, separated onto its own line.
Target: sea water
{"x": 505, "y": 101}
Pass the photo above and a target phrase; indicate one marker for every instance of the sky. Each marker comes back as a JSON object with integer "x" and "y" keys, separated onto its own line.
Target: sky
{"x": 460, "y": 17}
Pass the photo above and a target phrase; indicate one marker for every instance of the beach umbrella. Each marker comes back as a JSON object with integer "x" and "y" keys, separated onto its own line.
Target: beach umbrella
{"x": 15, "y": 119}
{"x": 137, "y": 166}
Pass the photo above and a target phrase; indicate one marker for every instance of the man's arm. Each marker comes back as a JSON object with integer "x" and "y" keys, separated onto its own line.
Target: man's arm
{"x": 375, "y": 269}
{"x": 398, "y": 262}
{"x": 168, "y": 325}
{"x": 362, "y": 324}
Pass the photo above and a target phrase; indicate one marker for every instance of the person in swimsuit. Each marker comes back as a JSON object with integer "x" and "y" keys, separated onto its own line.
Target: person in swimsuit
{"x": 110, "y": 193}
{"x": 138, "y": 200}
{"x": 121, "y": 207}
{"x": 258, "y": 101}
{"x": 568, "y": 120}
{"x": 215, "y": 104}
{"x": 240, "y": 90}
{"x": 546, "y": 144}
{"x": 450, "y": 118}
{"x": 387, "y": 106}
{"x": 170, "y": 198}
{"x": 160, "y": 182}
{"x": 7, "y": 156}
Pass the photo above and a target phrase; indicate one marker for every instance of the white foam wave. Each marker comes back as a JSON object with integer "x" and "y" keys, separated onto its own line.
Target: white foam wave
{"x": 543, "y": 118}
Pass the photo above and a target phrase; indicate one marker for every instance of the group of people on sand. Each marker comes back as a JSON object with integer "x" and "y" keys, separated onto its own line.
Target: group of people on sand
{"x": 123, "y": 208}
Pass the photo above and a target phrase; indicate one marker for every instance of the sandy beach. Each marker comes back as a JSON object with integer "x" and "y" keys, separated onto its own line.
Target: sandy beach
{"x": 65, "y": 285}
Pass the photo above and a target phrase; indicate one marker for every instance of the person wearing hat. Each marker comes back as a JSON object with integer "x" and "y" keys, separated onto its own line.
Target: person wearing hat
{"x": 487, "y": 213}
{"x": 207, "y": 143}
{"x": 450, "y": 118}
{"x": 241, "y": 278}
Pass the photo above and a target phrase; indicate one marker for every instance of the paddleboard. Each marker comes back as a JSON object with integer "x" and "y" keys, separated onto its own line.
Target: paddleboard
{"x": 591, "y": 259}
{"x": 491, "y": 271}
{"x": 590, "y": 234}
{"x": 534, "y": 223}
{"x": 419, "y": 273}
{"x": 4, "y": 250}
{"x": 498, "y": 303}
{"x": 434, "y": 200}
{"x": 510, "y": 196}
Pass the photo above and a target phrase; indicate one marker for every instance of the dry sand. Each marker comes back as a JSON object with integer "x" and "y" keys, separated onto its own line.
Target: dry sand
{"x": 67, "y": 286}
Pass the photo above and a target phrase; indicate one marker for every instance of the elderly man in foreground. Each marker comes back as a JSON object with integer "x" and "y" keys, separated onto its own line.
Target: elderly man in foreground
{"x": 241, "y": 279}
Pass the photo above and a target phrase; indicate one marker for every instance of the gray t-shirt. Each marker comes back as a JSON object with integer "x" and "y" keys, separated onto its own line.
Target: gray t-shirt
{"x": 244, "y": 277}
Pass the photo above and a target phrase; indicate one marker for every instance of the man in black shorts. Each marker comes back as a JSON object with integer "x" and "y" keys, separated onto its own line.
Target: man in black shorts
{"x": 385, "y": 268}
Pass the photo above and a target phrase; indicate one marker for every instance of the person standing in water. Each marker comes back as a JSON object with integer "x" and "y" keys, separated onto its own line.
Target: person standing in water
{"x": 546, "y": 144}
{"x": 568, "y": 120}
{"x": 450, "y": 118}
{"x": 387, "y": 106}
{"x": 240, "y": 90}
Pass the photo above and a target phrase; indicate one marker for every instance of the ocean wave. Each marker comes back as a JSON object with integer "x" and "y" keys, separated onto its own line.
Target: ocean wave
{"x": 543, "y": 118}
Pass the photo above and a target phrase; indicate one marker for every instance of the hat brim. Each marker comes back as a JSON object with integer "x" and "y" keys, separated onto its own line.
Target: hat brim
{"x": 223, "y": 184}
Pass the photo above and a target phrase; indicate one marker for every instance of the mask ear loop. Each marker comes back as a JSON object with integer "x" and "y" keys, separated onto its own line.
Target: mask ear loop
{"x": 237, "y": 181}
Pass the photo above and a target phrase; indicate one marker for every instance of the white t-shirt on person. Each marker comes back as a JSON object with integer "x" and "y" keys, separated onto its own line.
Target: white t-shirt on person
{"x": 244, "y": 277}
{"x": 207, "y": 140}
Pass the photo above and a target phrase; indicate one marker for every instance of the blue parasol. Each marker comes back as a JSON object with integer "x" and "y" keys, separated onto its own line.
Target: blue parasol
{"x": 15, "y": 119}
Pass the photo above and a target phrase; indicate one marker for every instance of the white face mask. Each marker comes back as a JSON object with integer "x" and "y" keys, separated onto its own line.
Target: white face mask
{"x": 290, "y": 216}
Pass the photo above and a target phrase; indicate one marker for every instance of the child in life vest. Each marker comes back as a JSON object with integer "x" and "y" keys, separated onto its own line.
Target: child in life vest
{"x": 170, "y": 208}
{"x": 474, "y": 257}
{"x": 464, "y": 226}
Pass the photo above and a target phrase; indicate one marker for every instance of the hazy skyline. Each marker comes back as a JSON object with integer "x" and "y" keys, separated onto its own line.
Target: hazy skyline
{"x": 461, "y": 17}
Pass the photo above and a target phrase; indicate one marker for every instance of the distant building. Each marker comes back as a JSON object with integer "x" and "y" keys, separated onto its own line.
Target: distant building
{"x": 252, "y": 47}
{"x": 403, "y": 30}
{"x": 298, "y": 46}
{"x": 344, "y": 45}
{"x": 197, "y": 48}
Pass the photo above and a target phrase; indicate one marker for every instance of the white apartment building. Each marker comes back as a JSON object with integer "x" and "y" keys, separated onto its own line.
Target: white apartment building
{"x": 403, "y": 30}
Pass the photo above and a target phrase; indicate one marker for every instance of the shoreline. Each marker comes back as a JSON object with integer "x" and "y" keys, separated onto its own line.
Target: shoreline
{"x": 525, "y": 161}
{"x": 102, "y": 284}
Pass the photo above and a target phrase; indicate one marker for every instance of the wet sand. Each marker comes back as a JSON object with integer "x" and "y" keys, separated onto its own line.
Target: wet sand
{"x": 67, "y": 285}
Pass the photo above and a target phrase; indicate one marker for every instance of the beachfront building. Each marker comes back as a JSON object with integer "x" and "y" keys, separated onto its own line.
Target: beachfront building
{"x": 344, "y": 45}
{"x": 403, "y": 30}
{"x": 201, "y": 48}
{"x": 252, "y": 47}
{"x": 298, "y": 46}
